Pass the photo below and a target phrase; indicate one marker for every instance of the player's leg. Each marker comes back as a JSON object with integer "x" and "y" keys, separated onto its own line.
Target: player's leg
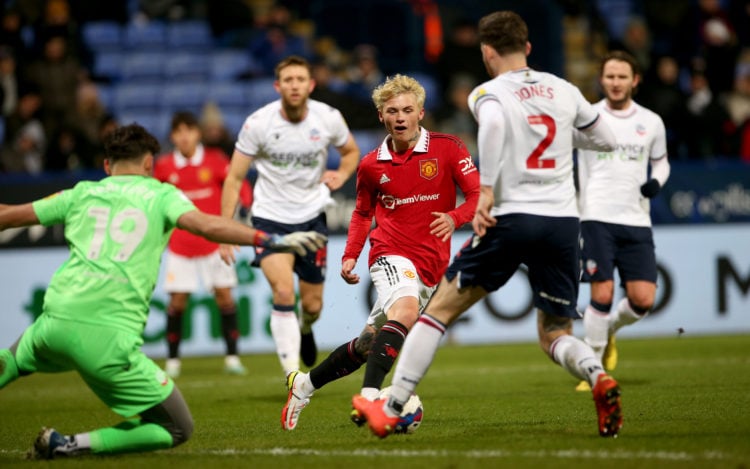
{"x": 8, "y": 366}
{"x": 278, "y": 270}
{"x": 596, "y": 317}
{"x": 311, "y": 301}
{"x": 344, "y": 360}
{"x": 180, "y": 280}
{"x": 417, "y": 354}
{"x": 637, "y": 266}
{"x": 222, "y": 278}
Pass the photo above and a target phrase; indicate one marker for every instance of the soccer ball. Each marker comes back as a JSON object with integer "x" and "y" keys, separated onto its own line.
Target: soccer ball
{"x": 411, "y": 416}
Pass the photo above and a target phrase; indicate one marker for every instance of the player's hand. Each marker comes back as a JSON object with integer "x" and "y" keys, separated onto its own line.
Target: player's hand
{"x": 226, "y": 252}
{"x": 650, "y": 188}
{"x": 442, "y": 226}
{"x": 346, "y": 271}
{"x": 300, "y": 242}
{"x": 333, "y": 179}
{"x": 482, "y": 218}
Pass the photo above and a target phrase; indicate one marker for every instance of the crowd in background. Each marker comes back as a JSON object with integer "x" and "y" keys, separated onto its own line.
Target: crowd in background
{"x": 694, "y": 55}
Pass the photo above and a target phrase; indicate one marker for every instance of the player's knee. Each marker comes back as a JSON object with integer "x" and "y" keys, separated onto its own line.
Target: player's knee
{"x": 181, "y": 431}
{"x": 641, "y": 304}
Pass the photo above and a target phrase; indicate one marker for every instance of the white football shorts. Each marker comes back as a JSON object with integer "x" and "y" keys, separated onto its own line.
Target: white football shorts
{"x": 187, "y": 274}
{"x": 395, "y": 277}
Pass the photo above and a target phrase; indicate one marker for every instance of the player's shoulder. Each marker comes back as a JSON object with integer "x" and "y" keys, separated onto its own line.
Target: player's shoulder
{"x": 648, "y": 113}
{"x": 320, "y": 106}
{"x": 444, "y": 139}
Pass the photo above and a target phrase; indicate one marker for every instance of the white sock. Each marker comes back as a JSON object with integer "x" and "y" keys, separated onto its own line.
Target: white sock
{"x": 577, "y": 358}
{"x": 83, "y": 440}
{"x": 415, "y": 358}
{"x": 370, "y": 393}
{"x": 286, "y": 335}
{"x": 624, "y": 315}
{"x": 596, "y": 325}
{"x": 306, "y": 387}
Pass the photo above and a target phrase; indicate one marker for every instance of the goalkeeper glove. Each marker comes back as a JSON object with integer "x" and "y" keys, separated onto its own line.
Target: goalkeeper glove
{"x": 650, "y": 188}
{"x": 300, "y": 242}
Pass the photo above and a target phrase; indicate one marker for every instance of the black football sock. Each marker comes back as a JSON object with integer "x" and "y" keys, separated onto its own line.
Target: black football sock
{"x": 229, "y": 329}
{"x": 385, "y": 349}
{"x": 341, "y": 362}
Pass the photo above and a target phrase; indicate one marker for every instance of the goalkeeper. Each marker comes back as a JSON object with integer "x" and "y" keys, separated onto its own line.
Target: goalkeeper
{"x": 97, "y": 302}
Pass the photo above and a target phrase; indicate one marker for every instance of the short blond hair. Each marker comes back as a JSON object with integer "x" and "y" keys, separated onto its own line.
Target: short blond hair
{"x": 397, "y": 85}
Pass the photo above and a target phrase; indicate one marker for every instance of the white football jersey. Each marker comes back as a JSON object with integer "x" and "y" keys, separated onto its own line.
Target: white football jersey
{"x": 539, "y": 113}
{"x": 610, "y": 182}
{"x": 290, "y": 158}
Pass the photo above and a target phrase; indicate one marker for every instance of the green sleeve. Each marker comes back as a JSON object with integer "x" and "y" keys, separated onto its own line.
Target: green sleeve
{"x": 52, "y": 209}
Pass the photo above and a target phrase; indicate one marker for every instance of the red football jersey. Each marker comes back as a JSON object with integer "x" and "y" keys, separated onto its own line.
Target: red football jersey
{"x": 402, "y": 190}
{"x": 200, "y": 178}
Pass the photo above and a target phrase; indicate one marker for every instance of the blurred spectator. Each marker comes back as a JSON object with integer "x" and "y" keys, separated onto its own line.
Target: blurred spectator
{"x": 215, "y": 133}
{"x": 8, "y": 81}
{"x": 10, "y": 35}
{"x": 709, "y": 34}
{"x": 57, "y": 21}
{"x": 636, "y": 40}
{"x": 660, "y": 91}
{"x": 737, "y": 104}
{"x": 357, "y": 112}
{"x": 84, "y": 124}
{"x": 106, "y": 127}
{"x": 705, "y": 135}
{"x": 25, "y": 142}
{"x": 56, "y": 75}
{"x": 67, "y": 150}
{"x": 454, "y": 116}
{"x": 364, "y": 74}
{"x": 277, "y": 42}
{"x": 231, "y": 22}
{"x": 461, "y": 56}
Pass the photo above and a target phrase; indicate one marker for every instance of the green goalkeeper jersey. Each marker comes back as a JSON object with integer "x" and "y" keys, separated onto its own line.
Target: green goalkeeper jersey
{"x": 117, "y": 229}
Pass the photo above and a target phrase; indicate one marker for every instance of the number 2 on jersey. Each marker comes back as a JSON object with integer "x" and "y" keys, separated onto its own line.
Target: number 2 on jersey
{"x": 129, "y": 239}
{"x": 534, "y": 161}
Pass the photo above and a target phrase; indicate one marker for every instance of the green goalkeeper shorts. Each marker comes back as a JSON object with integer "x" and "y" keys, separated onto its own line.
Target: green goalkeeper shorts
{"x": 109, "y": 360}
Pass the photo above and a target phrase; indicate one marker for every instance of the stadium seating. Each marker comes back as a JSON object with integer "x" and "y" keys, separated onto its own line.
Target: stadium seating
{"x": 102, "y": 36}
{"x": 228, "y": 94}
{"x": 184, "y": 96}
{"x": 260, "y": 91}
{"x": 187, "y": 66}
{"x": 157, "y": 123}
{"x": 146, "y": 36}
{"x": 189, "y": 35}
{"x": 108, "y": 65}
{"x": 229, "y": 64}
{"x": 143, "y": 66}
{"x": 137, "y": 97}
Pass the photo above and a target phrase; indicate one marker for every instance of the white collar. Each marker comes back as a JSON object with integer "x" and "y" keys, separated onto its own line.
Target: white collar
{"x": 180, "y": 161}
{"x": 421, "y": 146}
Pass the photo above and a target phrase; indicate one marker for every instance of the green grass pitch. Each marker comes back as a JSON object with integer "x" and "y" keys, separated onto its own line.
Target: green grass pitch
{"x": 686, "y": 403}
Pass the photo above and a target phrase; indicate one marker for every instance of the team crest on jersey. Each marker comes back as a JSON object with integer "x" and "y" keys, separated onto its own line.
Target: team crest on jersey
{"x": 204, "y": 175}
{"x": 314, "y": 135}
{"x": 640, "y": 129}
{"x": 409, "y": 274}
{"x": 591, "y": 267}
{"x": 428, "y": 169}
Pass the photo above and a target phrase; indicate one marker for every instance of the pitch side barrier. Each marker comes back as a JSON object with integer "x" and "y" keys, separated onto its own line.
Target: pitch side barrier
{"x": 704, "y": 289}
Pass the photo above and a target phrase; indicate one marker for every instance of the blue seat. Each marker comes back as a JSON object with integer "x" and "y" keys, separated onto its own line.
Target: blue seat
{"x": 229, "y": 64}
{"x": 157, "y": 123}
{"x": 260, "y": 91}
{"x": 151, "y": 35}
{"x": 137, "y": 97}
{"x": 233, "y": 119}
{"x": 108, "y": 64}
{"x": 431, "y": 87}
{"x": 184, "y": 96}
{"x": 189, "y": 34}
{"x": 143, "y": 66}
{"x": 228, "y": 94}
{"x": 102, "y": 36}
{"x": 106, "y": 95}
{"x": 187, "y": 66}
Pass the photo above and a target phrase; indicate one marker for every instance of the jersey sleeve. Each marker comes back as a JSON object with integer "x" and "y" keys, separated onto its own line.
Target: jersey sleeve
{"x": 248, "y": 140}
{"x": 339, "y": 128}
{"x": 175, "y": 204}
{"x": 659, "y": 143}
{"x": 53, "y": 209}
{"x": 586, "y": 114}
{"x": 466, "y": 176}
{"x": 361, "y": 221}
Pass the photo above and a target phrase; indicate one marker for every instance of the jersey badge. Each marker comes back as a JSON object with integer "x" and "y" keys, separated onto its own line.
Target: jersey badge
{"x": 384, "y": 179}
{"x": 204, "y": 175}
{"x": 428, "y": 169}
{"x": 640, "y": 129}
{"x": 591, "y": 267}
{"x": 409, "y": 274}
{"x": 314, "y": 135}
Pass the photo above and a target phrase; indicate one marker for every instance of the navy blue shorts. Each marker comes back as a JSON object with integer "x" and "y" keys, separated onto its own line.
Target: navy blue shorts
{"x": 312, "y": 267}
{"x": 549, "y": 247}
{"x": 607, "y": 245}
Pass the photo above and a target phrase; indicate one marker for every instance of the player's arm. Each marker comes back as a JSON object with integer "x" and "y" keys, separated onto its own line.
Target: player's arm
{"x": 350, "y": 155}
{"x": 230, "y": 192}
{"x": 660, "y": 170}
{"x": 359, "y": 227}
{"x": 224, "y": 230}
{"x": 13, "y": 216}
{"x": 597, "y": 137}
